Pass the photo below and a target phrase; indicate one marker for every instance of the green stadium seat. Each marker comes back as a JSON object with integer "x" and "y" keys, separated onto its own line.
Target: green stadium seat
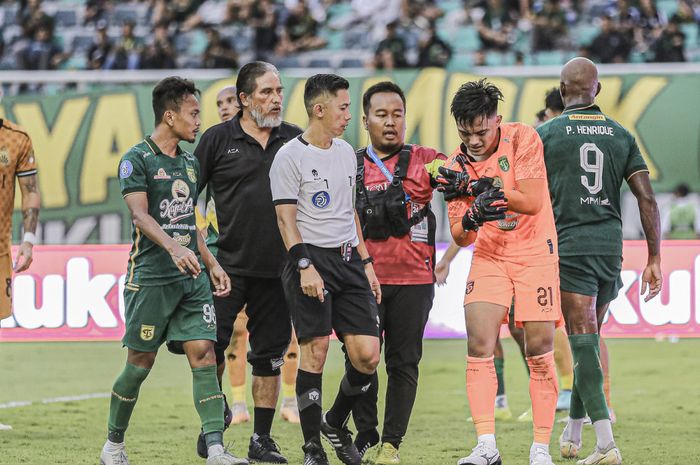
{"x": 466, "y": 38}
{"x": 691, "y": 35}
{"x": 669, "y": 7}
{"x": 554, "y": 57}
{"x": 583, "y": 34}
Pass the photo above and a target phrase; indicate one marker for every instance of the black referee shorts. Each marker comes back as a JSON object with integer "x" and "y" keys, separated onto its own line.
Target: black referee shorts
{"x": 269, "y": 324}
{"x": 349, "y": 306}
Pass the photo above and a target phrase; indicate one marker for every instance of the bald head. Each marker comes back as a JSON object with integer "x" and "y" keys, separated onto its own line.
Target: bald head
{"x": 227, "y": 103}
{"x": 579, "y": 82}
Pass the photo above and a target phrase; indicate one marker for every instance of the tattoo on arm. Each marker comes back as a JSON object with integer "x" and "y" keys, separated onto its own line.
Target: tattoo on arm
{"x": 30, "y": 184}
{"x": 31, "y": 217}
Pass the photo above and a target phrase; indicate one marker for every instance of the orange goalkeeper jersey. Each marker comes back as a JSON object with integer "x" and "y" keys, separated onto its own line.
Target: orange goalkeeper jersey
{"x": 519, "y": 238}
{"x": 16, "y": 160}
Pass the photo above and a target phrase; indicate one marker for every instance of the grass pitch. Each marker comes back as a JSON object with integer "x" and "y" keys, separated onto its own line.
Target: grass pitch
{"x": 655, "y": 396}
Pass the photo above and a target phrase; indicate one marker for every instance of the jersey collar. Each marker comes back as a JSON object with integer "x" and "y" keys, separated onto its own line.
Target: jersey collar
{"x": 155, "y": 149}
{"x": 580, "y": 106}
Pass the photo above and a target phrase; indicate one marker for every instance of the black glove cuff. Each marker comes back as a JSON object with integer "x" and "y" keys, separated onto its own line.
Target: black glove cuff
{"x": 299, "y": 251}
{"x": 468, "y": 224}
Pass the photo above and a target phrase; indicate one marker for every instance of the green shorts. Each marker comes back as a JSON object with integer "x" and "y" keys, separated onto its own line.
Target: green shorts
{"x": 180, "y": 311}
{"x": 592, "y": 275}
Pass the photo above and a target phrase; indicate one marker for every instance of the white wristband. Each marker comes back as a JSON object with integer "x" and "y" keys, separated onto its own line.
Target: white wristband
{"x": 29, "y": 237}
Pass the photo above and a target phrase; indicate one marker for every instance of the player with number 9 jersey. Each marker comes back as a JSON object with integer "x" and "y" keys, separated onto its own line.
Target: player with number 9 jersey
{"x": 592, "y": 155}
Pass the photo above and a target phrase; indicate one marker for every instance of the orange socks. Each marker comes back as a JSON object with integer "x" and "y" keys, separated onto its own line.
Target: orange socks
{"x": 482, "y": 385}
{"x": 544, "y": 391}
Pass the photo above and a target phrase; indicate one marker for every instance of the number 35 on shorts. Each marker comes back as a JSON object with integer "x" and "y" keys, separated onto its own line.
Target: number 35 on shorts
{"x": 209, "y": 314}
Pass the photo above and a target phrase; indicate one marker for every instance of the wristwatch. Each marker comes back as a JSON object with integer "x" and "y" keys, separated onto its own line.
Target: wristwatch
{"x": 368, "y": 260}
{"x": 303, "y": 263}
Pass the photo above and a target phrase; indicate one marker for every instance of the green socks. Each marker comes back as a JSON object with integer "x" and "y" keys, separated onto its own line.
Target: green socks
{"x": 588, "y": 378}
{"x": 209, "y": 402}
{"x": 498, "y": 363}
{"x": 125, "y": 392}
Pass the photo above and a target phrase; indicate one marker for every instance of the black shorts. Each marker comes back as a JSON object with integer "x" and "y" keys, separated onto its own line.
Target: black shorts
{"x": 269, "y": 323}
{"x": 349, "y": 306}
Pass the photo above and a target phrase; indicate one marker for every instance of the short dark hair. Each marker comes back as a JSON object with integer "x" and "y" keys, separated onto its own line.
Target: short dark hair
{"x": 378, "y": 88}
{"x": 248, "y": 74}
{"x": 553, "y": 100}
{"x": 169, "y": 93}
{"x": 474, "y": 99}
{"x": 320, "y": 84}
{"x": 682, "y": 190}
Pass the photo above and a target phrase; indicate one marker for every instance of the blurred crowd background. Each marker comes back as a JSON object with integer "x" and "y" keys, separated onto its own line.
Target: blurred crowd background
{"x": 387, "y": 34}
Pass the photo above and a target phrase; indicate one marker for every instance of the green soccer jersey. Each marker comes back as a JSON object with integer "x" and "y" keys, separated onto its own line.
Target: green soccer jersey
{"x": 587, "y": 156}
{"x": 171, "y": 187}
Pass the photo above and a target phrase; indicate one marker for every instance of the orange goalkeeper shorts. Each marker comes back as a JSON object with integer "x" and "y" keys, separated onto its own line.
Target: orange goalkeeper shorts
{"x": 534, "y": 290}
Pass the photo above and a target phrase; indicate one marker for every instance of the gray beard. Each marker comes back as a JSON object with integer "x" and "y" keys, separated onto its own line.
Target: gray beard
{"x": 263, "y": 121}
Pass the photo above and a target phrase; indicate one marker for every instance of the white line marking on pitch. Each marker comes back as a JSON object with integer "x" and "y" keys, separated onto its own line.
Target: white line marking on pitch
{"x": 55, "y": 400}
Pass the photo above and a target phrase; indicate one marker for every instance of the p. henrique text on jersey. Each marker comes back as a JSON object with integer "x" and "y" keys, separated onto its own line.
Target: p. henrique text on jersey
{"x": 590, "y": 130}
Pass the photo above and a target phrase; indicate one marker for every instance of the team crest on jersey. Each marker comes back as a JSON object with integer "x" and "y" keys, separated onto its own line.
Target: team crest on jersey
{"x": 191, "y": 175}
{"x": 321, "y": 199}
{"x": 4, "y": 156}
{"x": 503, "y": 163}
{"x": 161, "y": 174}
{"x": 125, "y": 169}
{"x": 180, "y": 190}
{"x": 182, "y": 239}
{"x": 147, "y": 332}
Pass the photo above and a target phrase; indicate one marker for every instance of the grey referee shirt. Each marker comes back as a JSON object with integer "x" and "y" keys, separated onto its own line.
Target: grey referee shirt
{"x": 321, "y": 182}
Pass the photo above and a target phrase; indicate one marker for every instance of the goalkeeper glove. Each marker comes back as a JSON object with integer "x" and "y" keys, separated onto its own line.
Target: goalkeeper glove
{"x": 453, "y": 184}
{"x": 488, "y": 206}
{"x": 480, "y": 185}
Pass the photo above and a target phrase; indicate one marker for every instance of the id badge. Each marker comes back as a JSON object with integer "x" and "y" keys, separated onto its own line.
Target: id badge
{"x": 346, "y": 251}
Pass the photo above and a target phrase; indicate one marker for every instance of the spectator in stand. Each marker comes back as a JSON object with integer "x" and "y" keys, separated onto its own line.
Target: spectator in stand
{"x": 174, "y": 11}
{"x": 650, "y": 18}
{"x": 628, "y": 18}
{"x": 31, "y": 16}
{"x": 96, "y": 11}
{"x": 610, "y": 45}
{"x": 264, "y": 20}
{"x": 160, "y": 53}
{"x": 669, "y": 47}
{"x": 317, "y": 8}
{"x": 496, "y": 26}
{"x": 423, "y": 12}
{"x": 209, "y": 13}
{"x": 42, "y": 53}
{"x": 550, "y": 30}
{"x": 125, "y": 54}
{"x": 391, "y": 52}
{"x": 682, "y": 217}
{"x": 241, "y": 11}
{"x": 99, "y": 50}
{"x": 433, "y": 51}
{"x": 219, "y": 52}
{"x": 300, "y": 32}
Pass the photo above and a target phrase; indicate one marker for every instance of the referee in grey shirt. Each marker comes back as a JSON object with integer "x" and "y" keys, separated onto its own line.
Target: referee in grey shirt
{"x": 329, "y": 280}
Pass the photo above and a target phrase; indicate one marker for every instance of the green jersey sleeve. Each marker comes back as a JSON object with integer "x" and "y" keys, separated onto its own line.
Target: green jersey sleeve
{"x": 132, "y": 174}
